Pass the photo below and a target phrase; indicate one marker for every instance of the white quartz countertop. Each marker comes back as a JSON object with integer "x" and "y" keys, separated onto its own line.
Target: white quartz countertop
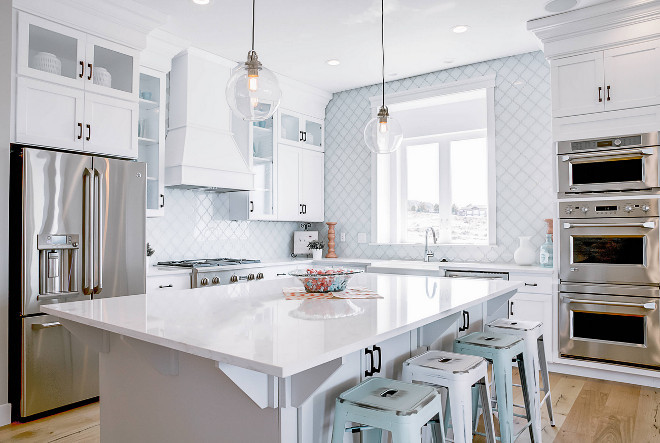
{"x": 251, "y": 325}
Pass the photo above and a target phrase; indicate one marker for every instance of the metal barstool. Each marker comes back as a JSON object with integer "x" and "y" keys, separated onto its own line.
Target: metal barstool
{"x": 500, "y": 350}
{"x": 464, "y": 377}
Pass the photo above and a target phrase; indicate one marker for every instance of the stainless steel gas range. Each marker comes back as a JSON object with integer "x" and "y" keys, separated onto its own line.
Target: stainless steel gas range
{"x": 609, "y": 293}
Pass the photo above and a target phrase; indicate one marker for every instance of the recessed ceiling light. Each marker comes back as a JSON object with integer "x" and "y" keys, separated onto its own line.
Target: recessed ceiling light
{"x": 560, "y": 5}
{"x": 201, "y": 2}
{"x": 333, "y": 62}
{"x": 460, "y": 29}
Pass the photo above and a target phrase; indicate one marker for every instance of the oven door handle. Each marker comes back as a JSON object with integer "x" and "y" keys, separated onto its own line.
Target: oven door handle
{"x": 647, "y": 225}
{"x": 622, "y": 153}
{"x": 649, "y": 305}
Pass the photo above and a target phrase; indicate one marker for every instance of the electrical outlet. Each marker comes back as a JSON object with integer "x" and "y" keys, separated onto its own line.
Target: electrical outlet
{"x": 342, "y": 236}
{"x": 362, "y": 237}
{"x": 305, "y": 226}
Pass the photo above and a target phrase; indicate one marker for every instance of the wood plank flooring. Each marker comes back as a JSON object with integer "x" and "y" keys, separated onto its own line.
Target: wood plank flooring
{"x": 586, "y": 411}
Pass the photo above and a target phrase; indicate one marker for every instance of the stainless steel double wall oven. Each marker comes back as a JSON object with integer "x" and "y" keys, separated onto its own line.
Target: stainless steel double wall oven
{"x": 609, "y": 294}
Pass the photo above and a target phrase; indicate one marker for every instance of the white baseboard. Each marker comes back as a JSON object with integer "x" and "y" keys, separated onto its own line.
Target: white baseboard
{"x": 5, "y": 414}
{"x": 622, "y": 375}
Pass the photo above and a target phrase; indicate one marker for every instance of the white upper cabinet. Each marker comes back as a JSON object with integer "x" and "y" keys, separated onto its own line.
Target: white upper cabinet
{"x": 618, "y": 78}
{"x": 300, "y": 184}
{"x": 631, "y": 76}
{"x": 577, "y": 85}
{"x": 74, "y": 90}
{"x": 311, "y": 185}
{"x": 300, "y": 130}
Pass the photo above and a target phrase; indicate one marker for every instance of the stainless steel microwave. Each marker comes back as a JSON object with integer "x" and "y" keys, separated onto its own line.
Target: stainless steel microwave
{"x": 609, "y": 165}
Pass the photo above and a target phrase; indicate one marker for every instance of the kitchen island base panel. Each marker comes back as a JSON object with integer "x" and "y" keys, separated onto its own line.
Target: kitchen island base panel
{"x": 138, "y": 403}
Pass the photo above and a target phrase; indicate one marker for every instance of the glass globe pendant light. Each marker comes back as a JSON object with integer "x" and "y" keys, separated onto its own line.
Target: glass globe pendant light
{"x": 383, "y": 134}
{"x": 253, "y": 92}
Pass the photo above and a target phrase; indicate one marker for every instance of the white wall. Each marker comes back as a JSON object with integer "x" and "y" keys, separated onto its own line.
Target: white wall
{"x": 5, "y": 112}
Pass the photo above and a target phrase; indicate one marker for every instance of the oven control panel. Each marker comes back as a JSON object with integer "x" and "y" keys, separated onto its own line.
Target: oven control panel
{"x": 608, "y": 208}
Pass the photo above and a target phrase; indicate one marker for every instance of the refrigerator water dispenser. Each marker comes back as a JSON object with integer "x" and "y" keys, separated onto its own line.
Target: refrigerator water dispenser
{"x": 58, "y": 264}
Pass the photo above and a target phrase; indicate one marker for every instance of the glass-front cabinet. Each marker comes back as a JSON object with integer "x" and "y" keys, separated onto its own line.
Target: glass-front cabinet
{"x": 151, "y": 137}
{"x": 56, "y": 53}
{"x": 300, "y": 130}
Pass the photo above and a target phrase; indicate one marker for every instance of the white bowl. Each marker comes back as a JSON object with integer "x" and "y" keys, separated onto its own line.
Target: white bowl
{"x": 47, "y": 62}
{"x": 102, "y": 77}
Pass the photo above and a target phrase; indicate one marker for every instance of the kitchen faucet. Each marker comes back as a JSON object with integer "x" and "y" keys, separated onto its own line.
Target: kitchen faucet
{"x": 428, "y": 254}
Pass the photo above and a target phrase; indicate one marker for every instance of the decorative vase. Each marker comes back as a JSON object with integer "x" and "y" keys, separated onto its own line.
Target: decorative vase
{"x": 331, "y": 240}
{"x": 526, "y": 253}
{"x": 317, "y": 254}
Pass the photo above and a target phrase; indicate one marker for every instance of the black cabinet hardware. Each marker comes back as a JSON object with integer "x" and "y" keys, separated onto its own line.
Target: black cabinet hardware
{"x": 466, "y": 322}
{"x": 531, "y": 284}
{"x": 304, "y": 136}
{"x": 89, "y": 65}
{"x": 281, "y": 273}
{"x": 165, "y": 286}
{"x": 377, "y": 369}
{"x": 370, "y": 353}
{"x": 82, "y": 69}
{"x": 89, "y": 132}
{"x": 162, "y": 196}
{"x": 600, "y": 98}
{"x": 80, "y": 133}
{"x": 251, "y": 206}
{"x": 608, "y": 92}
{"x": 510, "y": 308}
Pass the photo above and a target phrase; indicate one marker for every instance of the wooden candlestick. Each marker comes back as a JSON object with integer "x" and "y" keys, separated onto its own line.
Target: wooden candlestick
{"x": 331, "y": 240}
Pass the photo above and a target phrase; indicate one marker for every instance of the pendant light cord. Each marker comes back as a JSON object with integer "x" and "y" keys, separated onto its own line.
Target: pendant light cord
{"x": 382, "y": 42}
{"x": 253, "y": 2}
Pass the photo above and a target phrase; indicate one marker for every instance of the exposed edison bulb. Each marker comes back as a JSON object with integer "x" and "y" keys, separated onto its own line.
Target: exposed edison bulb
{"x": 253, "y": 84}
{"x": 382, "y": 127}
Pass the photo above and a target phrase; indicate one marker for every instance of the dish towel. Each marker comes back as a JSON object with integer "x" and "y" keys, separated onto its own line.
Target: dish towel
{"x": 300, "y": 294}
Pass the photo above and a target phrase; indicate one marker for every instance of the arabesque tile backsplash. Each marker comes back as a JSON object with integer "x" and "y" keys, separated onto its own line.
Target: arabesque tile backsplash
{"x": 196, "y": 223}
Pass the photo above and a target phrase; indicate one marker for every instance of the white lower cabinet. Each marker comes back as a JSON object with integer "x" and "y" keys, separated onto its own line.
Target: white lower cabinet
{"x": 385, "y": 359}
{"x": 157, "y": 283}
{"x": 471, "y": 320}
{"x": 533, "y": 307}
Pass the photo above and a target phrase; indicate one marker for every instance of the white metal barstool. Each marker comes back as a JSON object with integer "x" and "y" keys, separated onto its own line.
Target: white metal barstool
{"x": 457, "y": 373}
{"x": 532, "y": 334}
{"x": 399, "y": 407}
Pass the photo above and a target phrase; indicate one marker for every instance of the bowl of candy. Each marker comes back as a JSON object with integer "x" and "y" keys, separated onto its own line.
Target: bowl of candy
{"x": 324, "y": 279}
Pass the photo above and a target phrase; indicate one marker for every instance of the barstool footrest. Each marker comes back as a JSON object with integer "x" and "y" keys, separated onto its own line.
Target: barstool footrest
{"x": 356, "y": 429}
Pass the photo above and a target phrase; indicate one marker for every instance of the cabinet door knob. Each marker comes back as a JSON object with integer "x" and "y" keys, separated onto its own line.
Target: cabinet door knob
{"x": 89, "y": 65}
{"x": 608, "y": 92}
{"x": 89, "y": 132}
{"x": 82, "y": 69}
{"x": 600, "y": 98}
{"x": 80, "y": 131}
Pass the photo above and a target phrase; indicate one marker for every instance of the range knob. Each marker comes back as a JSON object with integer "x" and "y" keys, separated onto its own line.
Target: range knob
{"x": 205, "y": 281}
{"x": 627, "y": 208}
{"x": 646, "y": 208}
{"x": 250, "y": 277}
{"x": 215, "y": 280}
{"x": 233, "y": 279}
{"x": 568, "y": 210}
{"x": 584, "y": 209}
{"x": 617, "y": 142}
{"x": 260, "y": 275}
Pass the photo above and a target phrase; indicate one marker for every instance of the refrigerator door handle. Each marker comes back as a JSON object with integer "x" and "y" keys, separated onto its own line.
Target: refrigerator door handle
{"x": 99, "y": 188}
{"x": 87, "y": 263}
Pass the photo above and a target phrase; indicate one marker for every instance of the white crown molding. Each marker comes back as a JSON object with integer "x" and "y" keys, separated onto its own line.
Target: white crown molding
{"x": 122, "y": 21}
{"x": 162, "y": 46}
{"x": 597, "y": 27}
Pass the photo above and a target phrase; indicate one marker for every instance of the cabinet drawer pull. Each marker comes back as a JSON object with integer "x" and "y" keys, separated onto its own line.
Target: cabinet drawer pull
{"x": 608, "y": 92}
{"x": 600, "y": 98}
{"x": 531, "y": 284}
{"x": 281, "y": 273}
{"x": 89, "y": 132}
{"x": 89, "y": 65}
{"x": 80, "y": 131}
{"x": 165, "y": 286}
{"x": 82, "y": 69}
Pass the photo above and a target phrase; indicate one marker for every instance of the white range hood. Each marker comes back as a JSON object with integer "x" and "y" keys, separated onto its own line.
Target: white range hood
{"x": 200, "y": 145}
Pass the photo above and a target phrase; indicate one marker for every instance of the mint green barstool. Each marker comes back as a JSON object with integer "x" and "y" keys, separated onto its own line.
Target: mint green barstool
{"x": 395, "y": 406}
{"x": 500, "y": 350}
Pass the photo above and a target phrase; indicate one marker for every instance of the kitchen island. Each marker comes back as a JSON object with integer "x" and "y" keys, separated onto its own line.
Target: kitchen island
{"x": 241, "y": 363}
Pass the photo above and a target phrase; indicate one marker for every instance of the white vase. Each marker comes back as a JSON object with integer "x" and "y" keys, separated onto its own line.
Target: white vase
{"x": 525, "y": 254}
{"x": 317, "y": 254}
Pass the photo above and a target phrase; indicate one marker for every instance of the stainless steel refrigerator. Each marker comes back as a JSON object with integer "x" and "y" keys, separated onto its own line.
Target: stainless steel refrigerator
{"x": 77, "y": 232}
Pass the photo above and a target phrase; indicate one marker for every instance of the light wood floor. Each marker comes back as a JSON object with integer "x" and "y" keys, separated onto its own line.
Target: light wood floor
{"x": 586, "y": 411}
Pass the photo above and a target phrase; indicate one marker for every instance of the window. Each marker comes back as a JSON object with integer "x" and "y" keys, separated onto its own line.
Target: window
{"x": 443, "y": 175}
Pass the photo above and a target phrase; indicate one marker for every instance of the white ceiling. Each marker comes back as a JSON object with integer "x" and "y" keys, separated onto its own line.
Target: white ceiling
{"x": 296, "y": 38}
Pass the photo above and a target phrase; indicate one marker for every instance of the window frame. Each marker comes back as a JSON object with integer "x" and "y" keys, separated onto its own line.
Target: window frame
{"x": 388, "y": 170}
